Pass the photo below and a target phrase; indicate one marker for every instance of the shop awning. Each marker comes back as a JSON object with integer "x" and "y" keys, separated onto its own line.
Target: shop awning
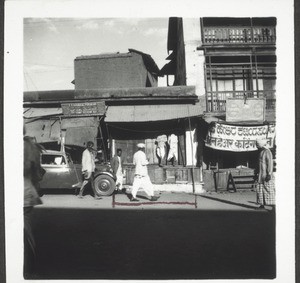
{"x": 78, "y": 130}
{"x": 144, "y": 113}
{"x": 41, "y": 112}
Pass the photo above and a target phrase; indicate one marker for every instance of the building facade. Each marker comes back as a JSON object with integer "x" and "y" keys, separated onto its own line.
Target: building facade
{"x": 117, "y": 104}
{"x": 232, "y": 64}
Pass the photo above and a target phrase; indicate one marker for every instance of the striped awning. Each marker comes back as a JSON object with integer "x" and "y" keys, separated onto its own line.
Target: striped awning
{"x": 146, "y": 113}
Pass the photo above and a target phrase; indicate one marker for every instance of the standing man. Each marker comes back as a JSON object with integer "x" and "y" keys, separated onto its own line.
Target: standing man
{"x": 33, "y": 174}
{"x": 88, "y": 169}
{"x": 161, "y": 149}
{"x": 265, "y": 188}
{"x": 117, "y": 167}
{"x": 172, "y": 155}
{"x": 141, "y": 177}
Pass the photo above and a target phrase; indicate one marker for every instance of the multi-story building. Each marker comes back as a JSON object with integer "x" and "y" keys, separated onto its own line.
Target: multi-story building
{"x": 232, "y": 64}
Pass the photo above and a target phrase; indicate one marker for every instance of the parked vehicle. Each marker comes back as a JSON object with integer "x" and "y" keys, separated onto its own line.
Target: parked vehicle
{"x": 63, "y": 173}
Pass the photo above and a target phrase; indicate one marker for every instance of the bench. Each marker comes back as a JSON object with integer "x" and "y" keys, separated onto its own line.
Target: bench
{"x": 233, "y": 179}
{"x": 242, "y": 181}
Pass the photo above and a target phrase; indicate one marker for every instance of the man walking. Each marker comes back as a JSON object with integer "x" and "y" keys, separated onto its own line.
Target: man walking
{"x": 265, "y": 188}
{"x": 117, "y": 167}
{"x": 88, "y": 169}
{"x": 141, "y": 177}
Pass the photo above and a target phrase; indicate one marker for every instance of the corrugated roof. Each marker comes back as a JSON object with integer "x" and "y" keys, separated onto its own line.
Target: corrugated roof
{"x": 41, "y": 112}
{"x": 144, "y": 113}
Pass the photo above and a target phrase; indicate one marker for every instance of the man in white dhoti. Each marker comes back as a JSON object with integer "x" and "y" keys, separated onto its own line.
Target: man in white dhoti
{"x": 172, "y": 155}
{"x": 161, "y": 149}
{"x": 141, "y": 177}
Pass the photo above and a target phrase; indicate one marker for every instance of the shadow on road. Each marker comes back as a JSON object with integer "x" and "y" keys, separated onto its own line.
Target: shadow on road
{"x": 153, "y": 244}
{"x": 230, "y": 202}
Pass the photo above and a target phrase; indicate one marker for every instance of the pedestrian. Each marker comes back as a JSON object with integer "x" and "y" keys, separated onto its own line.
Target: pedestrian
{"x": 172, "y": 155}
{"x": 265, "y": 186}
{"x": 141, "y": 177}
{"x": 88, "y": 169}
{"x": 117, "y": 167}
{"x": 161, "y": 149}
{"x": 33, "y": 174}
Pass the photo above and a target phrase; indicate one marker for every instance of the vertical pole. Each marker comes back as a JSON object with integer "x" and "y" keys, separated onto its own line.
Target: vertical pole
{"x": 205, "y": 84}
{"x": 256, "y": 70}
{"x": 191, "y": 138}
{"x": 251, "y": 77}
{"x": 211, "y": 88}
{"x": 62, "y": 137}
{"x": 103, "y": 144}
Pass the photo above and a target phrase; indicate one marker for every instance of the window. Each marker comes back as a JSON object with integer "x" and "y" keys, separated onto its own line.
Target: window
{"x": 51, "y": 159}
{"x": 239, "y": 77}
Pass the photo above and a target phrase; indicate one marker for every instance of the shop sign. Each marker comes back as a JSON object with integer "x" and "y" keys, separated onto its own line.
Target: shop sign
{"x": 83, "y": 109}
{"x": 250, "y": 109}
{"x": 238, "y": 138}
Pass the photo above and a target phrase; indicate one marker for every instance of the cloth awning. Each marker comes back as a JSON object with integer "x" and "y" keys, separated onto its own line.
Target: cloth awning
{"x": 41, "y": 112}
{"x": 146, "y": 113}
{"x": 78, "y": 130}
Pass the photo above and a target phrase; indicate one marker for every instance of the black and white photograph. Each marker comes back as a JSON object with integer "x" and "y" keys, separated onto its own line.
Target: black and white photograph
{"x": 157, "y": 143}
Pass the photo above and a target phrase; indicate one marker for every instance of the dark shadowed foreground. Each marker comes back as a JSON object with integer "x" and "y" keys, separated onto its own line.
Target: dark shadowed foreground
{"x": 153, "y": 244}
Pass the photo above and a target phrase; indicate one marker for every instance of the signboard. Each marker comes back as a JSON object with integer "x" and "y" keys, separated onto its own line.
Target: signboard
{"x": 238, "y": 138}
{"x": 83, "y": 109}
{"x": 250, "y": 109}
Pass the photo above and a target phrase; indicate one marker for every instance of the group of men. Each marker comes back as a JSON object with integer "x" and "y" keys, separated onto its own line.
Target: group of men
{"x": 265, "y": 187}
{"x": 141, "y": 177}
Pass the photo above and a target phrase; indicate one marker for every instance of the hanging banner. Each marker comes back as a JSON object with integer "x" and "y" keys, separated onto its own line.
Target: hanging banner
{"x": 238, "y": 138}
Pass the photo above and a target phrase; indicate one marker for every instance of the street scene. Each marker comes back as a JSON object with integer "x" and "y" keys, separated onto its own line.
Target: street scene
{"x": 153, "y": 156}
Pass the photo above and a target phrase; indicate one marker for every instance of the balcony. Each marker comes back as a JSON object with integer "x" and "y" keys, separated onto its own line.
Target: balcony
{"x": 216, "y": 100}
{"x": 220, "y": 35}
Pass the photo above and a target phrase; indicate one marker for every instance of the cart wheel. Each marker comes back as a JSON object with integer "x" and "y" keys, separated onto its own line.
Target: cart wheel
{"x": 104, "y": 185}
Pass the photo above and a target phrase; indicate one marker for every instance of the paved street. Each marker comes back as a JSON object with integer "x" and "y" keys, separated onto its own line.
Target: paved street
{"x": 181, "y": 236}
{"x": 244, "y": 200}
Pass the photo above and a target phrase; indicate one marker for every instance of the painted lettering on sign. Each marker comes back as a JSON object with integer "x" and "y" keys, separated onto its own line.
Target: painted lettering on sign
{"x": 251, "y": 109}
{"x": 238, "y": 138}
{"x": 83, "y": 109}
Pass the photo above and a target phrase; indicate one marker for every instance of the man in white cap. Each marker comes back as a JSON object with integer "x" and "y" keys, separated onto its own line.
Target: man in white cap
{"x": 141, "y": 177}
{"x": 265, "y": 189}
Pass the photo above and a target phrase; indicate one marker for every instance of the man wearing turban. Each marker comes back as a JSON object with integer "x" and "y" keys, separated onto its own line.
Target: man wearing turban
{"x": 265, "y": 188}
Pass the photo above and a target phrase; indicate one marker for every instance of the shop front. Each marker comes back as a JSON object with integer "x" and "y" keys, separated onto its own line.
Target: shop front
{"x": 68, "y": 127}
{"x": 168, "y": 132}
{"x": 230, "y": 151}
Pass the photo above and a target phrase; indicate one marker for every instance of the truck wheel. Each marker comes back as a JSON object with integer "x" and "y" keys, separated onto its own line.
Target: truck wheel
{"x": 104, "y": 185}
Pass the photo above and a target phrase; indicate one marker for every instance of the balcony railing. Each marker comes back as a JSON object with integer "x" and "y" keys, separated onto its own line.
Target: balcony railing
{"x": 216, "y": 101}
{"x": 238, "y": 35}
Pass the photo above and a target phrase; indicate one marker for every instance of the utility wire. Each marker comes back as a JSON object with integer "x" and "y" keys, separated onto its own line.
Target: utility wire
{"x": 25, "y": 81}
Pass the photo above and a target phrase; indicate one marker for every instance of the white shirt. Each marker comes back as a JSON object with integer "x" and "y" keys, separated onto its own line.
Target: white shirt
{"x": 140, "y": 161}
{"x": 88, "y": 162}
{"x": 119, "y": 171}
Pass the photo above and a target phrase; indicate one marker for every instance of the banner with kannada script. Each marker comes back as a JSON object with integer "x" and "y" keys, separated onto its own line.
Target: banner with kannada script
{"x": 238, "y": 138}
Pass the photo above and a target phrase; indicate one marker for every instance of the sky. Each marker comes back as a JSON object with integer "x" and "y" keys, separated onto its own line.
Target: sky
{"x": 52, "y": 44}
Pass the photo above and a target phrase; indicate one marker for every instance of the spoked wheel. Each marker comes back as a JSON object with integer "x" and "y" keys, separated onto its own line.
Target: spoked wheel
{"x": 104, "y": 185}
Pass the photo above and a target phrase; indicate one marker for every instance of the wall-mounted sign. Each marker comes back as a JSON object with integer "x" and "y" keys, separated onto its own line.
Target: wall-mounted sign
{"x": 250, "y": 109}
{"x": 84, "y": 109}
{"x": 238, "y": 138}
